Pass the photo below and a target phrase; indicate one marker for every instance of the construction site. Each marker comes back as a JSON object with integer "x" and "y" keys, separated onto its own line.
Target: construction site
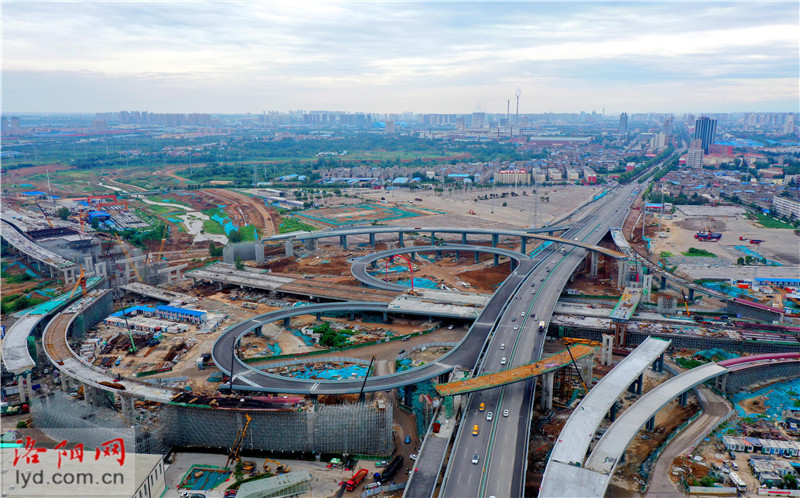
{"x": 128, "y": 328}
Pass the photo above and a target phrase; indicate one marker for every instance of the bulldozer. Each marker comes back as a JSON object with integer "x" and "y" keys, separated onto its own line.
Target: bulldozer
{"x": 279, "y": 467}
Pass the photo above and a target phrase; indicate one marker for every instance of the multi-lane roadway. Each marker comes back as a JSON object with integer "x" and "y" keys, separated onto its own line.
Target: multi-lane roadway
{"x": 501, "y": 443}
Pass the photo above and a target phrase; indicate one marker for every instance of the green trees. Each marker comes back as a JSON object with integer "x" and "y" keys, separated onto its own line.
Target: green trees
{"x": 63, "y": 213}
{"x": 214, "y": 250}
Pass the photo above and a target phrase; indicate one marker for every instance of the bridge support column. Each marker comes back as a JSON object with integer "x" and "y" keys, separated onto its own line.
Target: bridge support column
{"x": 319, "y": 316}
{"x": 372, "y": 240}
{"x": 464, "y": 238}
{"x": 721, "y": 382}
{"x": 477, "y": 257}
{"x": 651, "y": 424}
{"x": 385, "y": 317}
{"x": 691, "y": 295}
{"x": 683, "y": 398}
{"x": 496, "y": 259}
{"x": 438, "y": 255}
{"x": 636, "y": 386}
{"x": 443, "y": 378}
{"x": 595, "y": 264}
{"x": 311, "y": 244}
{"x": 92, "y": 395}
{"x": 546, "y": 401}
{"x": 523, "y": 245}
{"x": 289, "y": 248}
{"x": 413, "y": 256}
{"x": 658, "y": 365}
{"x": 343, "y": 241}
{"x": 458, "y": 256}
{"x": 287, "y": 321}
{"x": 374, "y": 264}
{"x": 23, "y": 393}
{"x": 352, "y": 316}
{"x": 128, "y": 408}
{"x": 400, "y": 239}
{"x": 622, "y": 272}
{"x": 495, "y": 239}
{"x": 663, "y": 284}
{"x": 588, "y": 370}
{"x": 612, "y": 414}
{"x": 257, "y": 331}
{"x": 607, "y": 350}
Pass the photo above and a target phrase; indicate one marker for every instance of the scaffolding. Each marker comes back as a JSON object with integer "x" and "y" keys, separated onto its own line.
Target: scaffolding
{"x": 357, "y": 428}
{"x": 64, "y": 418}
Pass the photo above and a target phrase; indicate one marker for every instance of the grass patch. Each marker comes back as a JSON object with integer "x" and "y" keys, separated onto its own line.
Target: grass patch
{"x": 688, "y": 363}
{"x": 666, "y": 254}
{"x": 292, "y": 225}
{"x": 212, "y": 227}
{"x": 248, "y": 233}
{"x": 701, "y": 253}
{"x": 770, "y": 222}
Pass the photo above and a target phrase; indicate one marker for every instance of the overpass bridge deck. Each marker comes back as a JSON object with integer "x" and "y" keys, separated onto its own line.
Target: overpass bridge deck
{"x": 496, "y": 379}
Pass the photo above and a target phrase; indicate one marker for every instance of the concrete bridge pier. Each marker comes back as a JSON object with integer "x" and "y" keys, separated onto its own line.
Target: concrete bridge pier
{"x": 612, "y": 414}
{"x": 636, "y": 387}
{"x": 128, "y": 408}
{"x": 588, "y": 370}
{"x": 683, "y": 398}
{"x": 311, "y": 244}
{"x": 458, "y": 256}
{"x": 385, "y": 317}
{"x": 495, "y": 239}
{"x": 400, "y": 236}
{"x": 288, "y": 248}
{"x": 651, "y": 424}
{"x": 287, "y": 321}
{"x": 258, "y": 331}
{"x": 413, "y": 256}
{"x": 443, "y": 378}
{"x": 319, "y": 316}
{"x": 433, "y": 238}
{"x": 622, "y": 272}
{"x": 438, "y": 255}
{"x": 24, "y": 385}
{"x": 721, "y": 382}
{"x": 606, "y": 353}
{"x": 496, "y": 259}
{"x": 523, "y": 245}
{"x": 477, "y": 257}
{"x": 546, "y": 401}
{"x": 464, "y": 238}
{"x": 595, "y": 264}
{"x": 658, "y": 365}
{"x": 691, "y": 295}
{"x": 343, "y": 241}
{"x": 352, "y": 316}
{"x": 374, "y": 264}
{"x": 372, "y": 240}
{"x": 663, "y": 283}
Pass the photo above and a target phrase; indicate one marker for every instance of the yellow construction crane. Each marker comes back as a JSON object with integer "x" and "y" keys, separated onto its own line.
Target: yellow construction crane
{"x": 127, "y": 255}
{"x": 236, "y": 449}
{"x": 45, "y": 215}
{"x": 163, "y": 240}
{"x": 81, "y": 282}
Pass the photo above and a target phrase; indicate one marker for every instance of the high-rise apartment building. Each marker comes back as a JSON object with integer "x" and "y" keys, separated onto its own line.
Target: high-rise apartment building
{"x": 788, "y": 124}
{"x": 705, "y": 129}
{"x": 623, "y": 124}
{"x": 694, "y": 158}
{"x": 478, "y": 120}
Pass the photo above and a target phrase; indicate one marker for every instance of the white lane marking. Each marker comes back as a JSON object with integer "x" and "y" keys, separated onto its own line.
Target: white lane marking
{"x": 314, "y": 386}
{"x": 245, "y": 380}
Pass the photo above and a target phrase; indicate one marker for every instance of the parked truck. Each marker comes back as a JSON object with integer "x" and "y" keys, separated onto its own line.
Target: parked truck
{"x": 541, "y": 326}
{"x": 9, "y": 410}
{"x": 356, "y": 479}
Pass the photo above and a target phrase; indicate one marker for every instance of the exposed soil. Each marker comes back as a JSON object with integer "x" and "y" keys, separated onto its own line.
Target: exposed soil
{"x": 487, "y": 279}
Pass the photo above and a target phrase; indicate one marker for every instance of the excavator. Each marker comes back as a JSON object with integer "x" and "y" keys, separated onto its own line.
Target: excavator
{"x": 279, "y": 467}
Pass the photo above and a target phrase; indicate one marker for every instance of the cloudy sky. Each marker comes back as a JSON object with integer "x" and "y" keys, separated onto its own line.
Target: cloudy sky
{"x": 444, "y": 57}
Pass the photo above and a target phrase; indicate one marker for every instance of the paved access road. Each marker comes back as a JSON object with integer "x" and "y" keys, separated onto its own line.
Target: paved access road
{"x": 501, "y": 443}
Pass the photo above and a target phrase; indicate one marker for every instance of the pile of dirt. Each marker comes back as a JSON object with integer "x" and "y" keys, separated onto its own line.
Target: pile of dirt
{"x": 487, "y": 279}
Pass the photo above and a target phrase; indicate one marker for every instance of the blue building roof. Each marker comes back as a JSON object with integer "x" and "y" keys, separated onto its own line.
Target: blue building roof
{"x": 33, "y": 192}
{"x": 99, "y": 214}
{"x": 400, "y": 180}
{"x": 182, "y": 311}
{"x": 130, "y": 310}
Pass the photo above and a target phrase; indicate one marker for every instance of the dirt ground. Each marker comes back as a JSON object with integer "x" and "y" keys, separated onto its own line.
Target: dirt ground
{"x": 518, "y": 212}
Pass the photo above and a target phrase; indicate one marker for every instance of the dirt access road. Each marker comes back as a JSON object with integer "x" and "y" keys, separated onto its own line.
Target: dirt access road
{"x": 251, "y": 210}
{"x": 661, "y": 486}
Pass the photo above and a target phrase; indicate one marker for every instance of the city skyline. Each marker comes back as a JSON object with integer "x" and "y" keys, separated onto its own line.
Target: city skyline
{"x": 395, "y": 57}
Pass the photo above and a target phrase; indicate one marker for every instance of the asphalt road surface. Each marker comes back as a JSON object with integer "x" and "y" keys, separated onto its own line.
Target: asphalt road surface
{"x": 502, "y": 442}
